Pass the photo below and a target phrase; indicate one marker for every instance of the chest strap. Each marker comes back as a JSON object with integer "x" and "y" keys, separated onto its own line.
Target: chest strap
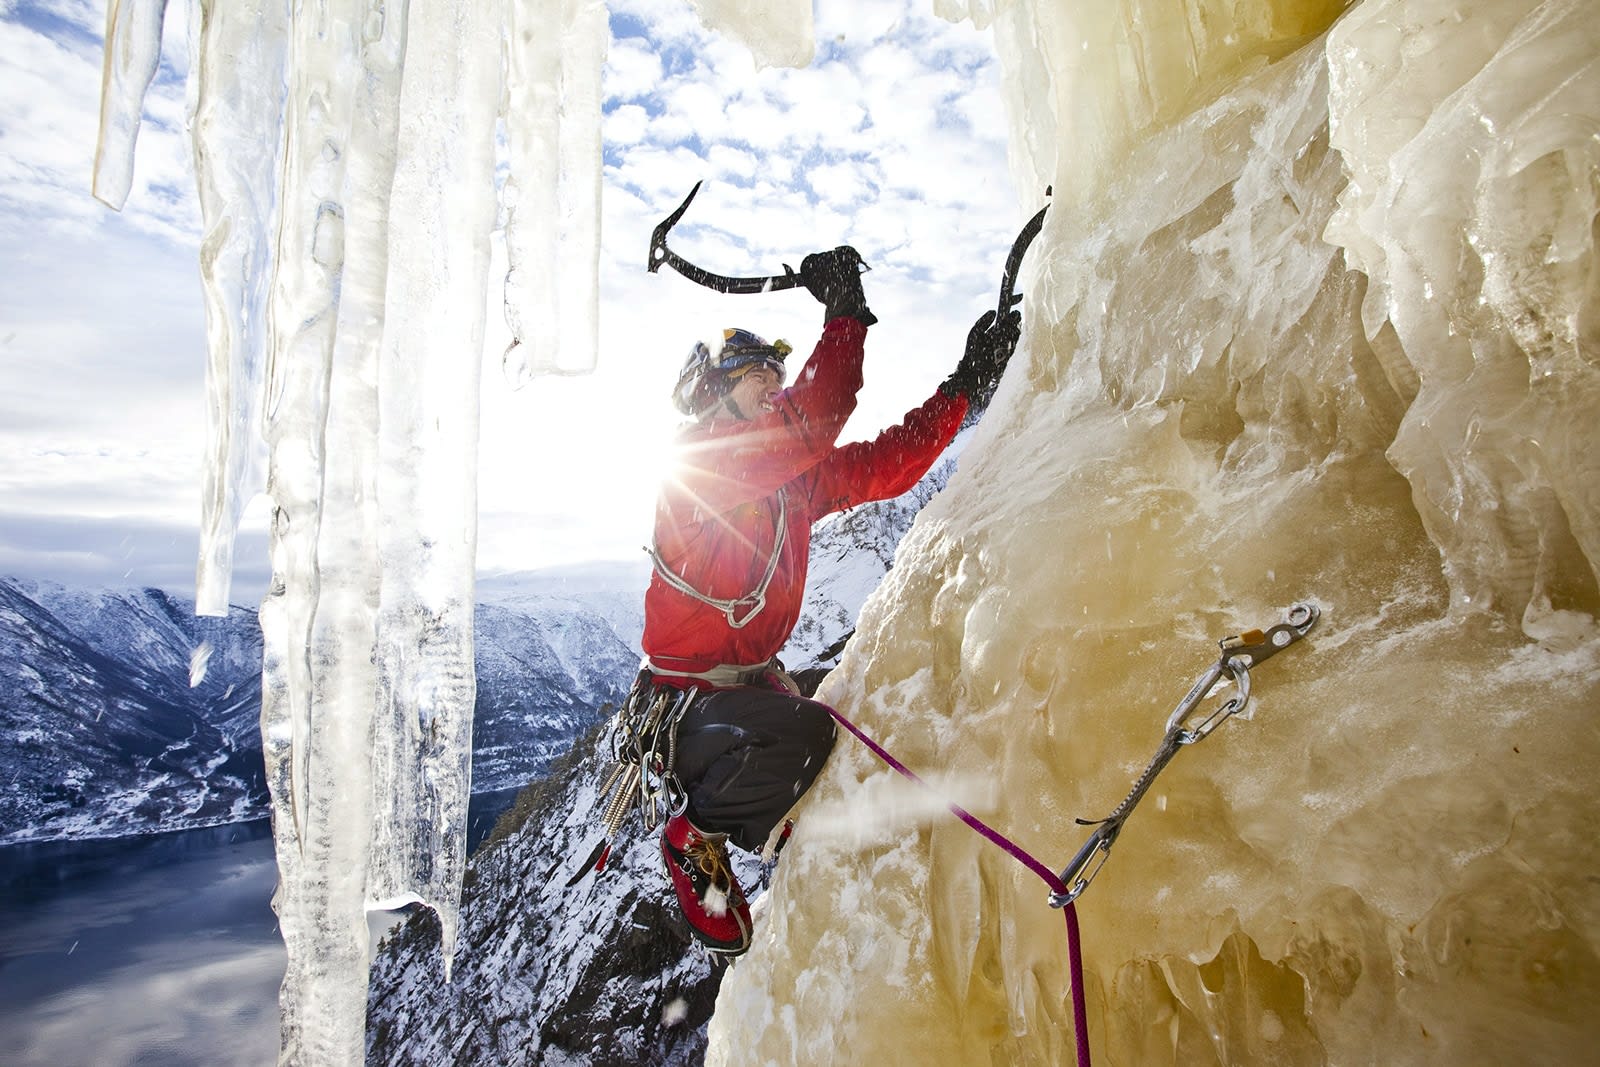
{"x": 741, "y": 610}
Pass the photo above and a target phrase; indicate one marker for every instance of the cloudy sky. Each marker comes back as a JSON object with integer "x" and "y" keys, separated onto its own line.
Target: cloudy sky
{"x": 893, "y": 140}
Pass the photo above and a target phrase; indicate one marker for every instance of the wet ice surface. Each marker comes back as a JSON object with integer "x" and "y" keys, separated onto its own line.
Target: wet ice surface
{"x": 146, "y": 951}
{"x": 1213, "y": 415}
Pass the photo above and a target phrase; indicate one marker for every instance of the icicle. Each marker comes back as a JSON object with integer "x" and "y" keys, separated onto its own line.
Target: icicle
{"x": 237, "y": 113}
{"x": 133, "y": 52}
{"x": 443, "y": 210}
{"x": 318, "y": 621}
{"x": 554, "y": 53}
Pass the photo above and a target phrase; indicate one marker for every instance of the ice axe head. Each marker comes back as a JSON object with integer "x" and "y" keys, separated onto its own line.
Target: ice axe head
{"x": 659, "y": 253}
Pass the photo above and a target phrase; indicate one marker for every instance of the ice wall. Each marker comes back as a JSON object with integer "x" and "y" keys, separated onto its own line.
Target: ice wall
{"x": 1316, "y": 320}
{"x": 345, "y": 153}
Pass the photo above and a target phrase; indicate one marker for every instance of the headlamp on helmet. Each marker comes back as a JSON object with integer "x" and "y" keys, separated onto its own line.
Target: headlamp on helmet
{"x": 707, "y": 375}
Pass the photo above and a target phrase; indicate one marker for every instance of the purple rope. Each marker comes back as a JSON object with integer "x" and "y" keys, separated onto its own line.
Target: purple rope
{"x": 1080, "y": 1011}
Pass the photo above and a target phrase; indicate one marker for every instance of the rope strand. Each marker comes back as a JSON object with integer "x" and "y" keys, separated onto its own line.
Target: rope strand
{"x": 1080, "y": 1011}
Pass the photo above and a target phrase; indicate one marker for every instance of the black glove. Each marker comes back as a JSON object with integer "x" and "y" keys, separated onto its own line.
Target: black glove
{"x": 990, "y": 343}
{"x": 834, "y": 278}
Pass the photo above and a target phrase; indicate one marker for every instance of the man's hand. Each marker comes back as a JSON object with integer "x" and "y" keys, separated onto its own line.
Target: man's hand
{"x": 990, "y": 343}
{"x": 834, "y": 278}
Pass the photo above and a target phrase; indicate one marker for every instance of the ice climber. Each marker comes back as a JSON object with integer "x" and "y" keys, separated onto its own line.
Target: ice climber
{"x": 756, "y": 466}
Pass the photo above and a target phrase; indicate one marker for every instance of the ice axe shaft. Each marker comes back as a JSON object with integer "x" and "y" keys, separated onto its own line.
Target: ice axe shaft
{"x": 722, "y": 283}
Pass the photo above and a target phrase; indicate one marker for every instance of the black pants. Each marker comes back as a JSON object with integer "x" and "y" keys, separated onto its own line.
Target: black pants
{"x": 745, "y": 755}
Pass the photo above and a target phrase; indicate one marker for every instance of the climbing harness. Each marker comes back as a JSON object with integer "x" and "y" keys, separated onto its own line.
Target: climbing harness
{"x": 1239, "y": 654}
{"x": 741, "y": 610}
{"x": 643, "y": 738}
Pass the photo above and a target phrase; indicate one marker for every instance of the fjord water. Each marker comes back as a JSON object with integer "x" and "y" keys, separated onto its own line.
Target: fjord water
{"x": 159, "y": 950}
{"x": 145, "y": 950}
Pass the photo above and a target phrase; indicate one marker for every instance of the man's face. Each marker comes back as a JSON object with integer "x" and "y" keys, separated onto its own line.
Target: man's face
{"x": 754, "y": 391}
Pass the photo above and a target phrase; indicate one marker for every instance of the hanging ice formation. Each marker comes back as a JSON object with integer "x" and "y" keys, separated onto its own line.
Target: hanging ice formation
{"x": 345, "y": 156}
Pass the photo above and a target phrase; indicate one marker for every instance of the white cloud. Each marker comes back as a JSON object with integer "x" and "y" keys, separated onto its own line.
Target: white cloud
{"x": 841, "y": 183}
{"x": 735, "y": 163}
{"x": 632, "y": 70}
{"x": 626, "y": 125}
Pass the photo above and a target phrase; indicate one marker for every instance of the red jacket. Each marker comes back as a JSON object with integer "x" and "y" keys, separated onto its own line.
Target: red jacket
{"x": 716, "y": 517}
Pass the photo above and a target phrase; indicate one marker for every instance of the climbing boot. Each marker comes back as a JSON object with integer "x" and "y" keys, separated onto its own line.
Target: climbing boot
{"x": 708, "y": 892}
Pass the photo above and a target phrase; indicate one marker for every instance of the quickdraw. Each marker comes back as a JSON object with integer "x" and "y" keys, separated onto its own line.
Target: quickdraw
{"x": 1239, "y": 655}
{"x": 644, "y": 748}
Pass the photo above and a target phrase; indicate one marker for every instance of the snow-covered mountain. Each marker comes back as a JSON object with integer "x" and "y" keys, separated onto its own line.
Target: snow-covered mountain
{"x": 104, "y": 735}
{"x": 103, "y": 732}
{"x": 604, "y": 972}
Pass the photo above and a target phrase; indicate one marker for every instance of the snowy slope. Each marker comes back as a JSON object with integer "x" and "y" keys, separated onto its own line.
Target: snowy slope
{"x": 602, "y": 973}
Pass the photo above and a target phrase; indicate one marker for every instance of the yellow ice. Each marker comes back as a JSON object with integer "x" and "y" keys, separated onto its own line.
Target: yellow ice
{"x": 1313, "y": 317}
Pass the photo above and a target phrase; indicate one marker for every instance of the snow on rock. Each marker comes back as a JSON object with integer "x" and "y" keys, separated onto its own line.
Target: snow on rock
{"x": 603, "y": 972}
{"x": 1217, "y": 411}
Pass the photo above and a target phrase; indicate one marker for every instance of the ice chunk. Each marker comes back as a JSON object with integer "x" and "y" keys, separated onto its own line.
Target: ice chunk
{"x": 199, "y": 661}
{"x": 1471, "y": 208}
{"x": 779, "y": 33}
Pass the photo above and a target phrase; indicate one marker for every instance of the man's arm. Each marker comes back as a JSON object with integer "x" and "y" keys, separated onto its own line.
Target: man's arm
{"x": 728, "y": 463}
{"x": 892, "y": 462}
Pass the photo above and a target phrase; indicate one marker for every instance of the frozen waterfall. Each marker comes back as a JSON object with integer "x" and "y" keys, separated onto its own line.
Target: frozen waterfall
{"x": 1314, "y": 315}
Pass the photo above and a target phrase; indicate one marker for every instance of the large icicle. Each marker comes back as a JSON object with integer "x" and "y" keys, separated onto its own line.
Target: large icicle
{"x": 344, "y": 154}
{"x": 238, "y": 90}
{"x": 429, "y": 380}
{"x": 319, "y": 620}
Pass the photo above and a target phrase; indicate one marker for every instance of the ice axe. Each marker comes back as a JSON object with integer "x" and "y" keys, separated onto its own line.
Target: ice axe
{"x": 660, "y": 253}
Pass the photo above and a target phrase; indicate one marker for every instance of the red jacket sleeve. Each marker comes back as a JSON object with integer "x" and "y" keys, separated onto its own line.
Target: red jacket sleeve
{"x": 889, "y": 464}
{"x": 729, "y": 463}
